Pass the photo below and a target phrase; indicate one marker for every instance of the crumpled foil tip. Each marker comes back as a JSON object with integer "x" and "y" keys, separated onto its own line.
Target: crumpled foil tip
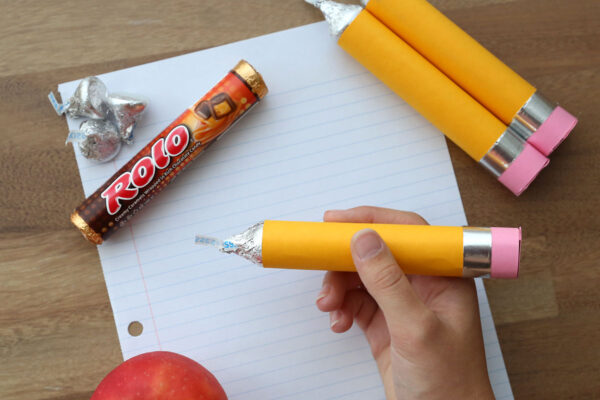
{"x": 337, "y": 15}
{"x": 247, "y": 244}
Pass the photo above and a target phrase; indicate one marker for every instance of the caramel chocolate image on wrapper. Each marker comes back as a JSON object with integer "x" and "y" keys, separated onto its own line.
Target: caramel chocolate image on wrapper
{"x": 419, "y": 249}
{"x": 496, "y": 86}
{"x": 161, "y": 160}
{"x": 495, "y": 146}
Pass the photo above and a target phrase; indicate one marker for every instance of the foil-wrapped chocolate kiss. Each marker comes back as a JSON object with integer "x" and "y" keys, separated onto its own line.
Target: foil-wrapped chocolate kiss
{"x": 97, "y": 139}
{"x": 116, "y": 116}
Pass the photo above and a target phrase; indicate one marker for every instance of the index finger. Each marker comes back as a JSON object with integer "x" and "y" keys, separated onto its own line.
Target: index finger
{"x": 374, "y": 215}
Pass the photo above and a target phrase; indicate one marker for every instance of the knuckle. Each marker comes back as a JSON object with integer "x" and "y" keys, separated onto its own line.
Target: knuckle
{"x": 354, "y": 303}
{"x": 416, "y": 219}
{"x": 387, "y": 277}
{"x": 367, "y": 213}
{"x": 327, "y": 278}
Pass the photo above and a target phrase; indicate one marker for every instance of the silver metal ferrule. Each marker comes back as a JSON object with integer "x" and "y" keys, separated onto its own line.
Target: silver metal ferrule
{"x": 477, "y": 252}
{"x": 502, "y": 153}
{"x": 532, "y": 115}
{"x": 337, "y": 15}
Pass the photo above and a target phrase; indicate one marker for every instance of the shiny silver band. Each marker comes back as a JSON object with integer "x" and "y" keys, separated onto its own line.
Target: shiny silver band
{"x": 477, "y": 252}
{"x": 499, "y": 157}
{"x": 532, "y": 115}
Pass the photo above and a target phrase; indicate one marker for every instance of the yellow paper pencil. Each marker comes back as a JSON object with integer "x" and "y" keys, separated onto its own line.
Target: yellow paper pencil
{"x": 418, "y": 249}
{"x": 496, "y": 86}
{"x": 489, "y": 141}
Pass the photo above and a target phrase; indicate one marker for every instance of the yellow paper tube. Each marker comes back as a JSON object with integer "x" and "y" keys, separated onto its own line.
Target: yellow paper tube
{"x": 423, "y": 86}
{"x": 418, "y": 249}
{"x": 317, "y": 245}
{"x": 446, "y": 105}
{"x": 496, "y": 86}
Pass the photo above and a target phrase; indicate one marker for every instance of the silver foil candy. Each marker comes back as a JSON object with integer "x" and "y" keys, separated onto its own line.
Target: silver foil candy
{"x": 247, "y": 244}
{"x": 99, "y": 140}
{"x": 124, "y": 113}
{"x": 90, "y": 100}
{"x": 338, "y": 15}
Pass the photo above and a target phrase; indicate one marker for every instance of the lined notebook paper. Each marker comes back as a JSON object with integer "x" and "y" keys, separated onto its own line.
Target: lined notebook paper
{"x": 328, "y": 135}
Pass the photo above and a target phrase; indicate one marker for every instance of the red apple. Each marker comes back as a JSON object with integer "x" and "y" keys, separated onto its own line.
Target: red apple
{"x": 159, "y": 375}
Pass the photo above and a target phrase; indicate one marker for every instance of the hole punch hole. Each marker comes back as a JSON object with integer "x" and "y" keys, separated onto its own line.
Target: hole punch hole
{"x": 135, "y": 328}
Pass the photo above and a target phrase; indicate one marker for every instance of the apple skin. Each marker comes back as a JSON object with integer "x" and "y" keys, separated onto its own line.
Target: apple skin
{"x": 159, "y": 375}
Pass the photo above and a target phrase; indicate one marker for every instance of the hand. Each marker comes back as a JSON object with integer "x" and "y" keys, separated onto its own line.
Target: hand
{"x": 424, "y": 331}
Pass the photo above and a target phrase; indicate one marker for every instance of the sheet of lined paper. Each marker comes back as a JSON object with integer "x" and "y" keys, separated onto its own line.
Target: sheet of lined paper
{"x": 329, "y": 135}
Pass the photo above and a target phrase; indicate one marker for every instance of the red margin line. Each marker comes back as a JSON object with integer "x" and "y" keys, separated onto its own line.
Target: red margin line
{"x": 137, "y": 254}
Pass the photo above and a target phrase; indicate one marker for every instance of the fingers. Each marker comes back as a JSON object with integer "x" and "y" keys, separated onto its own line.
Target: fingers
{"x": 335, "y": 286}
{"x": 375, "y": 215}
{"x": 357, "y": 306}
{"x": 386, "y": 282}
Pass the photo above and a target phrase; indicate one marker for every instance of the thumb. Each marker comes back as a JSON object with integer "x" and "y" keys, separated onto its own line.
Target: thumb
{"x": 385, "y": 281}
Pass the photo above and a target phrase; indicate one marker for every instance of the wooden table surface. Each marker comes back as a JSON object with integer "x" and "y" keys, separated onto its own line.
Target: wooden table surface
{"x": 57, "y": 334}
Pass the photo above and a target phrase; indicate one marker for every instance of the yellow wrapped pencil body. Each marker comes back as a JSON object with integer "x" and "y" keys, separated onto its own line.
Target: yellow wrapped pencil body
{"x": 418, "y": 249}
{"x": 468, "y": 124}
{"x": 317, "y": 245}
{"x": 496, "y": 86}
{"x": 489, "y": 141}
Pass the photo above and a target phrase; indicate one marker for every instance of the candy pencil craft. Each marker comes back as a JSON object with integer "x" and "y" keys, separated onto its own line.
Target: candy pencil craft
{"x": 419, "y": 249}
{"x": 161, "y": 160}
{"x": 489, "y": 141}
{"x": 491, "y": 82}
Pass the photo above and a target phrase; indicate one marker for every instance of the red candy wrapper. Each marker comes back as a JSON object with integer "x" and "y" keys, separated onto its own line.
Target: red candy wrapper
{"x": 157, "y": 164}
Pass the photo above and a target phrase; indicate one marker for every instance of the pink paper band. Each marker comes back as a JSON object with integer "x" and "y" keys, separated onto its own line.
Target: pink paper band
{"x": 506, "y": 251}
{"x": 553, "y": 131}
{"x": 523, "y": 170}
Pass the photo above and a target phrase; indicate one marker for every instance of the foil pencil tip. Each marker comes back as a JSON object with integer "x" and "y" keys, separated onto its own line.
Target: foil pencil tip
{"x": 247, "y": 244}
{"x": 337, "y": 15}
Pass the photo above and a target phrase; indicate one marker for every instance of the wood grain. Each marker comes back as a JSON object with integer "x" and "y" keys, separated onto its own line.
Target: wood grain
{"x": 57, "y": 335}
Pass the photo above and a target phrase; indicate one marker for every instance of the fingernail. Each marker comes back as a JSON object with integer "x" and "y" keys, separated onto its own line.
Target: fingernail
{"x": 324, "y": 292}
{"x": 334, "y": 317}
{"x": 367, "y": 244}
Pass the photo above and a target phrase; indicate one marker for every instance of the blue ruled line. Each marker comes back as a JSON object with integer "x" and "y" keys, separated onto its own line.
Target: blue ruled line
{"x": 314, "y": 374}
{"x": 212, "y": 302}
{"x": 310, "y": 154}
{"x": 287, "y": 353}
{"x": 354, "y": 350}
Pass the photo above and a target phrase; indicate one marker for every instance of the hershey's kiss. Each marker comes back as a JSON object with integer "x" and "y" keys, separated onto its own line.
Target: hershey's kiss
{"x": 101, "y": 140}
{"x": 89, "y": 100}
{"x": 124, "y": 113}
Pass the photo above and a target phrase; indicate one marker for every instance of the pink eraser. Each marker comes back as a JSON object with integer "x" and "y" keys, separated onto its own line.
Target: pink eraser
{"x": 553, "y": 131}
{"x": 506, "y": 252}
{"x": 523, "y": 170}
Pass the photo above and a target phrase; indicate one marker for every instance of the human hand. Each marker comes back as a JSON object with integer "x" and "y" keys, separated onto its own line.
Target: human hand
{"x": 424, "y": 331}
